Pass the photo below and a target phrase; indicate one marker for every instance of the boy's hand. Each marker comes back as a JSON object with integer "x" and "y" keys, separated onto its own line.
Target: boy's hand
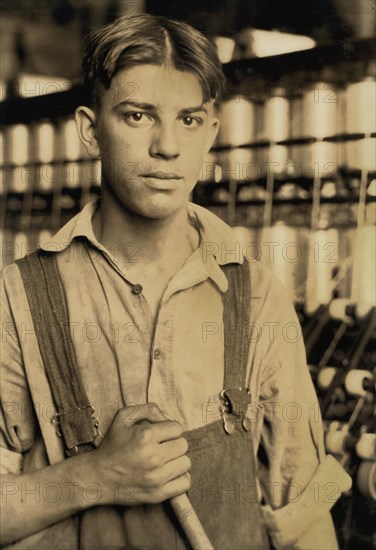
{"x": 142, "y": 458}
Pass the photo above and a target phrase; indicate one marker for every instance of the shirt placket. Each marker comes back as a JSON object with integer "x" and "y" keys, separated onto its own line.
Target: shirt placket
{"x": 161, "y": 388}
{"x": 162, "y": 384}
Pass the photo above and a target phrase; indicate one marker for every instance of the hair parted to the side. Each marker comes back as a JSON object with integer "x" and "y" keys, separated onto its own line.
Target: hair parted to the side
{"x": 149, "y": 39}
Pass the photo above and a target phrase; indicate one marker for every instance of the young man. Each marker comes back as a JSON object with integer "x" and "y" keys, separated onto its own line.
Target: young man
{"x": 145, "y": 274}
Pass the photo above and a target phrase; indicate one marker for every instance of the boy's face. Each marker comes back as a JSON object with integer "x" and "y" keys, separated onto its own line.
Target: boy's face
{"x": 152, "y": 131}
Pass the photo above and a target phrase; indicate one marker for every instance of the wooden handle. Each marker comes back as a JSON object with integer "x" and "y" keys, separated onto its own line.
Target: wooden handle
{"x": 188, "y": 519}
{"x": 190, "y": 523}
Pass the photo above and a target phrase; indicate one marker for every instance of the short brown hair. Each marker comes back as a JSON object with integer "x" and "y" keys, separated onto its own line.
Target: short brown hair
{"x": 149, "y": 39}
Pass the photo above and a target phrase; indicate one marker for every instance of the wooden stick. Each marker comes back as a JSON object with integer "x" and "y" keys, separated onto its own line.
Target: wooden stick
{"x": 188, "y": 519}
{"x": 190, "y": 523}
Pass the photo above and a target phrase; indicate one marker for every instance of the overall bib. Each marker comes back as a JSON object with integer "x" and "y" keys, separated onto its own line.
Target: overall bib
{"x": 223, "y": 489}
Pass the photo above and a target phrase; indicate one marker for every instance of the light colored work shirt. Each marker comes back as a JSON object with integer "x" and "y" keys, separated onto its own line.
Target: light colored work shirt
{"x": 176, "y": 360}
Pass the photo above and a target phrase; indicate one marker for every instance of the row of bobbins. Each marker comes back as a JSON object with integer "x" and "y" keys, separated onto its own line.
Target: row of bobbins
{"x": 45, "y": 155}
{"x": 322, "y": 113}
{"x": 44, "y": 169}
{"x": 328, "y": 259}
{"x": 340, "y": 437}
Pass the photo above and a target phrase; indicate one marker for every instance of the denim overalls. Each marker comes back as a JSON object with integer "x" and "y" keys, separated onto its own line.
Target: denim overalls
{"x": 223, "y": 489}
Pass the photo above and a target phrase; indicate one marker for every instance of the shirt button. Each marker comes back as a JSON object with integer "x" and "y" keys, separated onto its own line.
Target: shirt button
{"x": 157, "y": 353}
{"x": 137, "y": 289}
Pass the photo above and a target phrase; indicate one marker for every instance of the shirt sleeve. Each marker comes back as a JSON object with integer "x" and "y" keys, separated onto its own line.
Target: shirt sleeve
{"x": 17, "y": 417}
{"x": 299, "y": 482}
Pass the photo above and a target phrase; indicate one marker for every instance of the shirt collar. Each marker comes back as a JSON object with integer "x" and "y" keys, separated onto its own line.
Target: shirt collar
{"x": 79, "y": 226}
{"x": 218, "y": 245}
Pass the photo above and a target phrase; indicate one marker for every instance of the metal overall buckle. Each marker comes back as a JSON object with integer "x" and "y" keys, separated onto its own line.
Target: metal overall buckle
{"x": 234, "y": 407}
{"x": 98, "y": 435}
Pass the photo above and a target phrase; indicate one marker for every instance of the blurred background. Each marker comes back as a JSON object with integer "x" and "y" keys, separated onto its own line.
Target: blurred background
{"x": 293, "y": 171}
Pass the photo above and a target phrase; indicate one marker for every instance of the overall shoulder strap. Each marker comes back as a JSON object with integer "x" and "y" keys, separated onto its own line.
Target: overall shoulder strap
{"x": 236, "y": 318}
{"x": 46, "y": 297}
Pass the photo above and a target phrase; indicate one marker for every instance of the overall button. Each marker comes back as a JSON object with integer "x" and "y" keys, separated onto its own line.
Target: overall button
{"x": 137, "y": 289}
{"x": 157, "y": 353}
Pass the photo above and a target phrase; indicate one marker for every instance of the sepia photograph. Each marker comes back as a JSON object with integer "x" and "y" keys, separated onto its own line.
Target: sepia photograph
{"x": 188, "y": 274}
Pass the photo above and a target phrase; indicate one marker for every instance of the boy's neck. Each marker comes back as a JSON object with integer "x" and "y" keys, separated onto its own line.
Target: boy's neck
{"x": 159, "y": 242}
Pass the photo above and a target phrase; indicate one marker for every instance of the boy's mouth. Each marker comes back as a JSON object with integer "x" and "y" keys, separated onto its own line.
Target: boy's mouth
{"x": 162, "y": 175}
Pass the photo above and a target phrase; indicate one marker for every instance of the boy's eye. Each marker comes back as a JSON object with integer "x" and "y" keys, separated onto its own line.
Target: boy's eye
{"x": 141, "y": 118}
{"x": 191, "y": 122}
{"x": 137, "y": 117}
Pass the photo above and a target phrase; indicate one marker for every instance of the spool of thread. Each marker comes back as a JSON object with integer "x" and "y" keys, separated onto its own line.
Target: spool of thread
{"x": 363, "y": 288}
{"x": 250, "y": 193}
{"x": 72, "y": 152}
{"x": 223, "y": 196}
{"x": 210, "y": 169}
{"x": 366, "y": 478}
{"x": 328, "y": 190}
{"x": 341, "y": 154}
{"x": 71, "y": 143}
{"x": 243, "y": 236}
{"x": 278, "y": 159}
{"x": 285, "y": 258}
{"x": 361, "y": 107}
{"x": 320, "y": 108}
{"x": 360, "y": 154}
{"x": 44, "y": 142}
{"x": 20, "y": 245}
{"x": 277, "y": 117}
{"x": 287, "y": 192}
{"x": 261, "y": 161}
{"x": 238, "y": 122}
{"x": 259, "y": 122}
{"x": 294, "y": 166}
{"x": 338, "y": 309}
{"x": 44, "y": 237}
{"x": 296, "y": 117}
{"x": 239, "y": 164}
{"x": 336, "y": 442}
{"x": 366, "y": 446}
{"x": 346, "y": 250}
{"x": 325, "y": 377}
{"x": 17, "y": 143}
{"x": 341, "y": 110}
{"x": 91, "y": 174}
{"x": 250, "y": 240}
{"x": 319, "y": 287}
{"x": 72, "y": 174}
{"x": 44, "y": 152}
{"x": 319, "y": 159}
{"x": 332, "y": 425}
{"x": 358, "y": 381}
{"x": 371, "y": 191}
{"x": 225, "y": 48}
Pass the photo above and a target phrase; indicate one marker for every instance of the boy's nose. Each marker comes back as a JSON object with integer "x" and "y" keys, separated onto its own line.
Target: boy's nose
{"x": 165, "y": 143}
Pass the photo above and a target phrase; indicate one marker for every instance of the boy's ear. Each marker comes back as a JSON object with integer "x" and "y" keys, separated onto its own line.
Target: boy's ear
{"x": 86, "y": 127}
{"x": 212, "y": 133}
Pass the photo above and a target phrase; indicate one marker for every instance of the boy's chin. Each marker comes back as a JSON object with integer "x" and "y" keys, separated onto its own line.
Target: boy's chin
{"x": 161, "y": 209}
